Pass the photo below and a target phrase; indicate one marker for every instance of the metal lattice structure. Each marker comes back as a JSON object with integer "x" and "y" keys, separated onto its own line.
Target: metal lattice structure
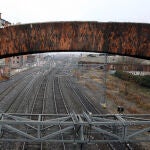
{"x": 75, "y": 128}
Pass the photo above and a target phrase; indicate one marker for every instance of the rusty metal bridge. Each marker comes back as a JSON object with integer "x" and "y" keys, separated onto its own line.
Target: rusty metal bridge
{"x": 128, "y": 39}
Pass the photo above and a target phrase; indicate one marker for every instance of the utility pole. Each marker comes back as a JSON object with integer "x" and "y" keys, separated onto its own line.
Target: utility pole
{"x": 104, "y": 103}
{"x": 9, "y": 68}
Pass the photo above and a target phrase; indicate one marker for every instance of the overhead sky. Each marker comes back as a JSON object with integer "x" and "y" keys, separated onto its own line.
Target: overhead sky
{"x": 27, "y": 11}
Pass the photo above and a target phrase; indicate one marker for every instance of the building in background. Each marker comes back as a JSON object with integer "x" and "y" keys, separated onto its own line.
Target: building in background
{"x": 4, "y": 63}
{"x": 3, "y": 23}
{"x": 16, "y": 62}
{"x": 135, "y": 66}
{"x": 2, "y": 67}
{"x": 31, "y": 59}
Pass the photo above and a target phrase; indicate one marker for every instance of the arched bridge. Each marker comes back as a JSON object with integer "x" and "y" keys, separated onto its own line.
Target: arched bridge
{"x": 131, "y": 39}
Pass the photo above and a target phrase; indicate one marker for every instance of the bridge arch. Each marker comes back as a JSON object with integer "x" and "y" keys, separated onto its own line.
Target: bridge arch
{"x": 130, "y": 39}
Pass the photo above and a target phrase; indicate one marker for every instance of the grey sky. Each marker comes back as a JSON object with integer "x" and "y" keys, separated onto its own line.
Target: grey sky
{"x": 26, "y": 11}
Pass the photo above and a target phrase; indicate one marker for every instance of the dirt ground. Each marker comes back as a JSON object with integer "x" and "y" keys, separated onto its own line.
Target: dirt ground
{"x": 134, "y": 98}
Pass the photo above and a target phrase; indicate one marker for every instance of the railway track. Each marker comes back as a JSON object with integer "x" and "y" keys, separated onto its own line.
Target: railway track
{"x": 59, "y": 106}
{"x": 22, "y": 97}
{"x": 15, "y": 84}
{"x": 39, "y": 102}
{"x": 59, "y": 102}
{"x": 84, "y": 100}
{"x": 8, "y": 85}
{"x": 14, "y": 104}
{"x": 38, "y": 107}
{"x": 89, "y": 107}
{"x": 10, "y": 98}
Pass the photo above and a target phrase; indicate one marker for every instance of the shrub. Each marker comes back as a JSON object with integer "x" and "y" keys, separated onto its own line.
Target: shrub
{"x": 141, "y": 80}
{"x": 145, "y": 81}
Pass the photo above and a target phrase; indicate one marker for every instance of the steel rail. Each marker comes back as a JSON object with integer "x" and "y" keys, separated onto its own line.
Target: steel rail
{"x": 56, "y": 83}
{"x": 21, "y": 94}
{"x": 15, "y": 83}
{"x": 111, "y": 146}
{"x": 10, "y": 88}
{"x": 35, "y": 102}
{"x": 14, "y": 107}
{"x": 84, "y": 100}
{"x": 8, "y": 102}
{"x": 88, "y": 106}
{"x": 89, "y": 109}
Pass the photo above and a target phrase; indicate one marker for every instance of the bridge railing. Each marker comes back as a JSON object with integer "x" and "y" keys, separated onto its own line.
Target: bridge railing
{"x": 75, "y": 128}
